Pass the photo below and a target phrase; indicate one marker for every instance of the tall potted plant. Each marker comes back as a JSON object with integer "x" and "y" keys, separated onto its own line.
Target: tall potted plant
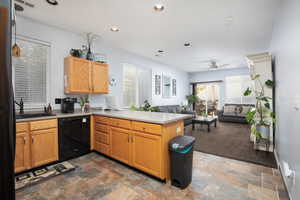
{"x": 261, "y": 117}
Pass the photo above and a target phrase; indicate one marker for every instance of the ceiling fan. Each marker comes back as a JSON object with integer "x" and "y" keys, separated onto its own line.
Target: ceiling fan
{"x": 212, "y": 64}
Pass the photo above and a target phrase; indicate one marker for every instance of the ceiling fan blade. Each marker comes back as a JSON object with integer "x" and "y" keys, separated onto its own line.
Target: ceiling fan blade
{"x": 224, "y": 65}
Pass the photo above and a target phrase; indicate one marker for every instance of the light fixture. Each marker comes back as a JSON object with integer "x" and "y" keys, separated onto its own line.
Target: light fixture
{"x": 187, "y": 44}
{"x": 114, "y": 29}
{"x": 160, "y": 51}
{"x": 52, "y": 2}
{"x": 157, "y": 55}
{"x": 159, "y": 7}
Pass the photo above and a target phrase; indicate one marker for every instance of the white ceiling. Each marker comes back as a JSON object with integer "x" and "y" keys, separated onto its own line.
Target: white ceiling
{"x": 206, "y": 24}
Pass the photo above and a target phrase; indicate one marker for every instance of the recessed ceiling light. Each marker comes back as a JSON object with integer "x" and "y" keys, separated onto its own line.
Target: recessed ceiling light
{"x": 52, "y": 2}
{"x": 114, "y": 29}
{"x": 160, "y": 51}
{"x": 159, "y": 7}
{"x": 187, "y": 44}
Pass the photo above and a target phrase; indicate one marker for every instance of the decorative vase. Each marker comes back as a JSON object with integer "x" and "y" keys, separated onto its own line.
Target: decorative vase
{"x": 89, "y": 54}
{"x": 264, "y": 131}
{"x": 82, "y": 108}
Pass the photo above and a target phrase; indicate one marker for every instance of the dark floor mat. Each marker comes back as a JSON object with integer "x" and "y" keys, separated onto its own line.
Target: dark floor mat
{"x": 36, "y": 176}
{"x": 231, "y": 140}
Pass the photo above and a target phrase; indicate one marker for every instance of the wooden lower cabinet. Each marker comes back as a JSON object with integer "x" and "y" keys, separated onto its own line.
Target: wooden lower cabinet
{"x": 36, "y": 144}
{"x": 22, "y": 159}
{"x": 147, "y": 153}
{"x": 120, "y": 144}
{"x": 44, "y": 147}
{"x": 138, "y": 144}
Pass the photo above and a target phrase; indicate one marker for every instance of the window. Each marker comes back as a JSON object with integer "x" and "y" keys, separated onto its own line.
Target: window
{"x": 235, "y": 88}
{"x": 30, "y": 73}
{"x": 136, "y": 85}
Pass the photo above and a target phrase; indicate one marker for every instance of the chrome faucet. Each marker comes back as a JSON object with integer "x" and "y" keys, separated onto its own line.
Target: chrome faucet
{"x": 21, "y": 106}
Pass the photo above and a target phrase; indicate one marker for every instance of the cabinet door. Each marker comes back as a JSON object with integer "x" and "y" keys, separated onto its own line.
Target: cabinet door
{"x": 44, "y": 146}
{"x": 100, "y": 78}
{"x": 22, "y": 159}
{"x": 147, "y": 153}
{"x": 120, "y": 145}
{"x": 77, "y": 75}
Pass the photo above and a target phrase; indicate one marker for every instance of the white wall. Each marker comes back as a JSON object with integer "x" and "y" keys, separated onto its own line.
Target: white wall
{"x": 285, "y": 47}
{"x": 218, "y": 75}
{"x": 62, "y": 41}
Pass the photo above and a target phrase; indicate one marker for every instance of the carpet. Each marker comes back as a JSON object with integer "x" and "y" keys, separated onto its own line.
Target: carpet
{"x": 36, "y": 176}
{"x": 230, "y": 140}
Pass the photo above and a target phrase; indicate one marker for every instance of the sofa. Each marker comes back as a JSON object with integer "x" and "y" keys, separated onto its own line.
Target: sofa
{"x": 235, "y": 113}
{"x": 179, "y": 110}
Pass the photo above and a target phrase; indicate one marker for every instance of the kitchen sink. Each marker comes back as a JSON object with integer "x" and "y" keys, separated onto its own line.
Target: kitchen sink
{"x": 32, "y": 115}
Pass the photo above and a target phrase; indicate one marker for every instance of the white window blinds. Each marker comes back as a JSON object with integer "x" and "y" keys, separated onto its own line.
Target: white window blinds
{"x": 136, "y": 85}
{"x": 30, "y": 73}
{"x": 235, "y": 88}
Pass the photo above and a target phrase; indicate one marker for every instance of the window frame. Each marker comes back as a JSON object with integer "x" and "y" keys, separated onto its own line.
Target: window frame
{"x": 242, "y": 97}
{"x": 37, "y": 106}
{"x": 137, "y": 94}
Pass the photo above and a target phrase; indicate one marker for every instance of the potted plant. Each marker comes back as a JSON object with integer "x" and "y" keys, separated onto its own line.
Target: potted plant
{"x": 191, "y": 99}
{"x": 261, "y": 117}
{"x": 84, "y": 103}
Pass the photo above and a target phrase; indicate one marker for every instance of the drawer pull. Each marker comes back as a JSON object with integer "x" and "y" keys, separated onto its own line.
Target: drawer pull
{"x": 32, "y": 139}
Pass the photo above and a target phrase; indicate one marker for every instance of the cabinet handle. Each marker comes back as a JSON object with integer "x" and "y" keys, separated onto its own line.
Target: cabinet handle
{"x": 32, "y": 139}
{"x": 132, "y": 139}
{"x": 24, "y": 140}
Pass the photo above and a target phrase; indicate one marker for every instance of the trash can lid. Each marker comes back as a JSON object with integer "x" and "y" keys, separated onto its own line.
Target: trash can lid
{"x": 180, "y": 143}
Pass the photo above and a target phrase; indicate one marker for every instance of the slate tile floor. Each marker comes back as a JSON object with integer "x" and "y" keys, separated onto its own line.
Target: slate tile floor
{"x": 214, "y": 178}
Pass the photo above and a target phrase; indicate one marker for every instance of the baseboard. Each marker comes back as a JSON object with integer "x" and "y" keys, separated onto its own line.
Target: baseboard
{"x": 283, "y": 177}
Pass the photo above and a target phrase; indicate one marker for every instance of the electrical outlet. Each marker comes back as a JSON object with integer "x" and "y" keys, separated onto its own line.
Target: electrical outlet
{"x": 57, "y": 101}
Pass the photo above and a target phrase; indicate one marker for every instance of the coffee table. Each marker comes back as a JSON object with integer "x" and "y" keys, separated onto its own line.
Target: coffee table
{"x": 206, "y": 121}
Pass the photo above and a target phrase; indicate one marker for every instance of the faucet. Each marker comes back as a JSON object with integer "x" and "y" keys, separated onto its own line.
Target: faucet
{"x": 21, "y": 106}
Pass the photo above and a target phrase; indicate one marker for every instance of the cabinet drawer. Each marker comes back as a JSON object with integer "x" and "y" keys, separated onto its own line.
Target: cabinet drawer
{"x": 146, "y": 127}
{"x": 101, "y": 127}
{"x": 121, "y": 123}
{"x": 43, "y": 124}
{"x": 102, "y": 120}
{"x": 21, "y": 127}
{"x": 102, "y": 137}
{"x": 102, "y": 148}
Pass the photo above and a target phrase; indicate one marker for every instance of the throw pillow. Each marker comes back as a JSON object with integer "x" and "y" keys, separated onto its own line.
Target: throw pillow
{"x": 229, "y": 109}
{"x": 246, "y": 109}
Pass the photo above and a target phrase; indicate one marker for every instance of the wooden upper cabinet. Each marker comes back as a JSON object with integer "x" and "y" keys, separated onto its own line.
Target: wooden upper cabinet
{"x": 100, "y": 78}
{"x": 44, "y": 146}
{"x": 83, "y": 76}
{"x": 22, "y": 159}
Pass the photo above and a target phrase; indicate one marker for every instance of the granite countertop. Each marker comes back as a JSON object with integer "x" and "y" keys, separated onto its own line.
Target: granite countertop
{"x": 150, "y": 117}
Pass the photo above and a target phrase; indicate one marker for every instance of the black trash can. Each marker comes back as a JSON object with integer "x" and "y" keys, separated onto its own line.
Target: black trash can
{"x": 181, "y": 152}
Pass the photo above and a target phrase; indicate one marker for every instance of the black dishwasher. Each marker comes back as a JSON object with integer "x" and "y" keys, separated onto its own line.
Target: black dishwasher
{"x": 74, "y": 137}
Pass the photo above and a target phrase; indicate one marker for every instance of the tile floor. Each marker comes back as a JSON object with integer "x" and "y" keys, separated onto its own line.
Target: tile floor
{"x": 214, "y": 178}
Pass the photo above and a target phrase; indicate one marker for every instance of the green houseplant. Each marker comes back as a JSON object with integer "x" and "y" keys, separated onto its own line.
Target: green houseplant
{"x": 146, "y": 107}
{"x": 261, "y": 117}
{"x": 191, "y": 99}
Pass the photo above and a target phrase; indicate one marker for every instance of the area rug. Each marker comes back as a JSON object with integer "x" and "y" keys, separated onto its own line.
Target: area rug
{"x": 29, "y": 178}
{"x": 230, "y": 140}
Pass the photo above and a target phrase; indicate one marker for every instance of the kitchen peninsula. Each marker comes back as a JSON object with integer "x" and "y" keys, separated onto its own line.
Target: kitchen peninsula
{"x": 138, "y": 139}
